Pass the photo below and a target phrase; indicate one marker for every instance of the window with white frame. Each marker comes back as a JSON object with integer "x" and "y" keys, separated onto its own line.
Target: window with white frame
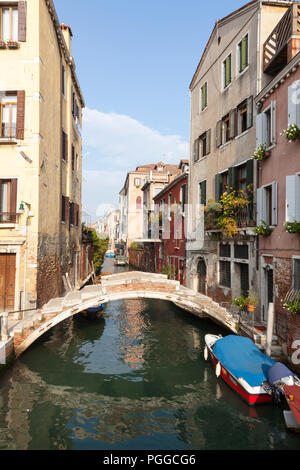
{"x": 9, "y": 23}
{"x": 267, "y": 204}
{"x": 243, "y": 54}
{"x": 293, "y": 198}
{"x": 8, "y": 114}
{"x": 266, "y": 126}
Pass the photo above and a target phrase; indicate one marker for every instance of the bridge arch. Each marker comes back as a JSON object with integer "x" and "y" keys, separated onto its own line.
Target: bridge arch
{"x": 129, "y": 285}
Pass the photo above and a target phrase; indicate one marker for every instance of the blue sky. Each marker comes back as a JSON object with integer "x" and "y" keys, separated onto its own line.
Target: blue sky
{"x": 135, "y": 60}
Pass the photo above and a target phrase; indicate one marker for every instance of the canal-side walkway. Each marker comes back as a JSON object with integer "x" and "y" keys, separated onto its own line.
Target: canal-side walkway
{"x": 17, "y": 335}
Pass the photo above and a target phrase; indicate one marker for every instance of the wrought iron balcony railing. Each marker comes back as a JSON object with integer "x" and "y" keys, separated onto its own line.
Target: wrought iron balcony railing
{"x": 8, "y": 131}
{"x": 283, "y": 43}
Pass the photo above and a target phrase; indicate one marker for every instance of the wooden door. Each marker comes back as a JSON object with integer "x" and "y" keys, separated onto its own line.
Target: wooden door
{"x": 201, "y": 269}
{"x": 7, "y": 282}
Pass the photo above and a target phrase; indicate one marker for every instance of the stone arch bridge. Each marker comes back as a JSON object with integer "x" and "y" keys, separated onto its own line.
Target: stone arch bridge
{"x": 128, "y": 285}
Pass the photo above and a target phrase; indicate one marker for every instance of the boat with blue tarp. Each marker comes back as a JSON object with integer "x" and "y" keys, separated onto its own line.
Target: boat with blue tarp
{"x": 242, "y": 366}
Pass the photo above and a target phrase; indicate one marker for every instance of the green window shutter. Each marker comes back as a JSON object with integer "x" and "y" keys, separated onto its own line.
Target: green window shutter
{"x": 233, "y": 178}
{"x": 217, "y": 189}
{"x": 203, "y": 96}
{"x": 196, "y": 150}
{"x": 203, "y": 193}
{"x": 232, "y": 123}
{"x": 244, "y": 53}
{"x": 250, "y": 171}
{"x": 208, "y": 141}
{"x": 227, "y": 71}
{"x": 249, "y": 112}
{"x": 219, "y": 134}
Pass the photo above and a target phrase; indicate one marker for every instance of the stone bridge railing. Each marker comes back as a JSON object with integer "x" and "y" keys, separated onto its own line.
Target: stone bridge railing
{"x": 129, "y": 285}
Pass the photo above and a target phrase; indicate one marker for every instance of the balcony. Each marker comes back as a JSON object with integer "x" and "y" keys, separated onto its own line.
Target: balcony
{"x": 284, "y": 41}
{"x": 244, "y": 218}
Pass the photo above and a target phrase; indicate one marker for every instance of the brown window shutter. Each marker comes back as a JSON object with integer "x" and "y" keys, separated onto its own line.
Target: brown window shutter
{"x": 20, "y": 114}
{"x": 67, "y": 209}
{"x": 13, "y": 200}
{"x": 22, "y": 21}
{"x": 66, "y": 147}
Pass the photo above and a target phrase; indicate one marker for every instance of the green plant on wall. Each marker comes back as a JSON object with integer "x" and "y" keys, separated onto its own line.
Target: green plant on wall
{"x": 170, "y": 271}
{"x": 261, "y": 152}
{"x": 292, "y": 133}
{"x": 100, "y": 247}
{"x": 263, "y": 229}
{"x": 292, "y": 227}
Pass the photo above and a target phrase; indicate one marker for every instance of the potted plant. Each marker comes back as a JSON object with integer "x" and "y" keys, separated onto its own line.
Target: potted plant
{"x": 261, "y": 152}
{"x": 2, "y": 45}
{"x": 292, "y": 227}
{"x": 263, "y": 229}
{"x": 12, "y": 44}
{"x": 252, "y": 301}
{"x": 292, "y": 133}
{"x": 240, "y": 302}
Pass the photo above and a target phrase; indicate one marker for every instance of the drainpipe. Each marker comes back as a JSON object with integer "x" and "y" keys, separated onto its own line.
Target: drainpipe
{"x": 270, "y": 327}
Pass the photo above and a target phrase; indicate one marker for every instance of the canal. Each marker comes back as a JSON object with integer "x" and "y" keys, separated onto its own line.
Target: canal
{"x": 134, "y": 379}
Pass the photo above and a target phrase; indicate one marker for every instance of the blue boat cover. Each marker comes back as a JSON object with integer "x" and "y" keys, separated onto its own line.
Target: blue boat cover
{"x": 278, "y": 371}
{"x": 243, "y": 359}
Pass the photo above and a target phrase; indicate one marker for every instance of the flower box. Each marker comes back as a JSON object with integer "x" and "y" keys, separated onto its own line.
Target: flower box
{"x": 2, "y": 45}
{"x": 292, "y": 133}
{"x": 12, "y": 45}
{"x": 292, "y": 227}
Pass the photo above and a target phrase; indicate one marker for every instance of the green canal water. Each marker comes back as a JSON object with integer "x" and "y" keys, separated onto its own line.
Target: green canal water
{"x": 135, "y": 379}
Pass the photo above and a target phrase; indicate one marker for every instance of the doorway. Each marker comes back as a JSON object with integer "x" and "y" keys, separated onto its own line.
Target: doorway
{"x": 7, "y": 282}
{"x": 201, "y": 271}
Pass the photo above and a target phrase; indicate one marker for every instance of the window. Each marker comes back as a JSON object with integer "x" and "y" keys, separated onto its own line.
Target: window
{"x": 225, "y": 130}
{"x": 203, "y": 97}
{"x": 64, "y": 146}
{"x": 243, "y": 54}
{"x": 8, "y": 112}
{"x": 183, "y": 196}
{"x": 227, "y": 71}
{"x": 241, "y": 251}
{"x": 8, "y": 201}
{"x": 296, "y": 273}
{"x": 202, "y": 193}
{"x": 294, "y": 103}
{"x": 224, "y": 182}
{"x": 63, "y": 80}
{"x": 225, "y": 250}
{"x": 267, "y": 204}
{"x": 137, "y": 182}
{"x": 225, "y": 273}
{"x": 265, "y": 126}
{"x": 63, "y": 209}
{"x": 9, "y": 24}
{"x": 242, "y": 178}
{"x": 204, "y": 144}
{"x": 293, "y": 198}
{"x": 245, "y": 115}
{"x": 73, "y": 158}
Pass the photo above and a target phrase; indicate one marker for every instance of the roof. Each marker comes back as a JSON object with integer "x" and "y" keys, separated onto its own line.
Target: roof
{"x": 219, "y": 23}
{"x": 167, "y": 188}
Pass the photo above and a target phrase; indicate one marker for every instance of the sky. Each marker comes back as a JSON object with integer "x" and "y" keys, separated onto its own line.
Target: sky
{"x": 135, "y": 60}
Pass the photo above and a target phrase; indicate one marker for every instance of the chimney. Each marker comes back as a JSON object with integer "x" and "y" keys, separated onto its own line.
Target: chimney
{"x": 67, "y": 32}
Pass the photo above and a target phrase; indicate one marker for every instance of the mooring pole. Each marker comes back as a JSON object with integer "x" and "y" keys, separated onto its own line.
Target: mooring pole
{"x": 270, "y": 327}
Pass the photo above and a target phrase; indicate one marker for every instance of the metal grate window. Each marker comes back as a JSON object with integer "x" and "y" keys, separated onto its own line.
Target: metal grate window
{"x": 225, "y": 251}
{"x": 241, "y": 251}
{"x": 225, "y": 273}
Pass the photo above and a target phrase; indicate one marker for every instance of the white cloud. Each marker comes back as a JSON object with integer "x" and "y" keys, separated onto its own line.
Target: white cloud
{"x": 115, "y": 144}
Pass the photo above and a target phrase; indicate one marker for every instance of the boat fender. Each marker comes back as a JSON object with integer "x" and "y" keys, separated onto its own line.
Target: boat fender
{"x": 218, "y": 369}
{"x": 205, "y": 353}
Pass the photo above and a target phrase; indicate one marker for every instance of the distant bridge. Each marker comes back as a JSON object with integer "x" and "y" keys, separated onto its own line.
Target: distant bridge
{"x": 128, "y": 285}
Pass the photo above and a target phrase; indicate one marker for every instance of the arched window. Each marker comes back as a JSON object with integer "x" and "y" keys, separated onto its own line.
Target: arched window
{"x": 138, "y": 203}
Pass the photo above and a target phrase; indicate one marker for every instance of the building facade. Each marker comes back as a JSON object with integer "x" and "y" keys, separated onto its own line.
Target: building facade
{"x": 278, "y": 193}
{"x": 41, "y": 147}
{"x": 223, "y": 263}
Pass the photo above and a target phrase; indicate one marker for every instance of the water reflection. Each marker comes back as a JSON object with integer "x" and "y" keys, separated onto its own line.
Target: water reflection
{"x": 135, "y": 379}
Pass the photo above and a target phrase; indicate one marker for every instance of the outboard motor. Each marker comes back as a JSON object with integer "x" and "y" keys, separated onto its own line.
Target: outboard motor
{"x": 278, "y": 376}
